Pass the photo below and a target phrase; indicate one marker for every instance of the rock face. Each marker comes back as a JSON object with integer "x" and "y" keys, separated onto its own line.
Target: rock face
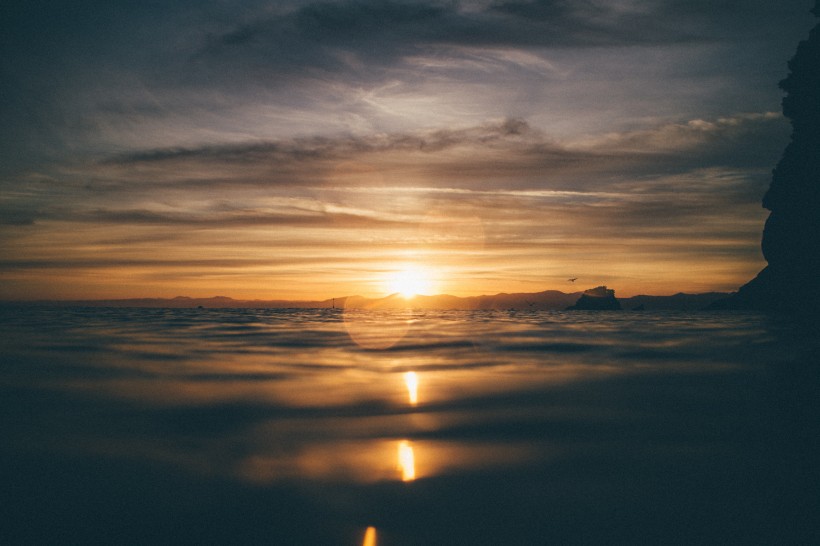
{"x": 600, "y": 298}
{"x": 791, "y": 236}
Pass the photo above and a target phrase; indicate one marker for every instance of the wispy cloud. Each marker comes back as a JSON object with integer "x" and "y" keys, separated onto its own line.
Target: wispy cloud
{"x": 501, "y": 193}
{"x": 306, "y": 142}
{"x": 477, "y": 157}
{"x": 81, "y": 81}
{"x": 345, "y": 181}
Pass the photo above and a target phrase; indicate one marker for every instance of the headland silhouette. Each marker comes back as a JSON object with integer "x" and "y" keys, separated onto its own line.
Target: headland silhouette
{"x": 791, "y": 280}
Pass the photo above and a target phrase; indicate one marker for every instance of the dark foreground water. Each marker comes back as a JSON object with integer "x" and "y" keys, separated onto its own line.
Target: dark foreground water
{"x": 152, "y": 426}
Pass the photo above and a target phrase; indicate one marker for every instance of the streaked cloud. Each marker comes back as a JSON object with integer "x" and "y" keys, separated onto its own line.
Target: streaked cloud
{"x": 302, "y": 146}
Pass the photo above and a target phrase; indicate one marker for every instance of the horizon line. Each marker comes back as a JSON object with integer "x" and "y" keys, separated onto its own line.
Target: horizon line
{"x": 395, "y": 295}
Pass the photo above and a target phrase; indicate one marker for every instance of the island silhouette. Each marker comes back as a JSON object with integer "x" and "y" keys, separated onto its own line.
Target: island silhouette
{"x": 599, "y": 298}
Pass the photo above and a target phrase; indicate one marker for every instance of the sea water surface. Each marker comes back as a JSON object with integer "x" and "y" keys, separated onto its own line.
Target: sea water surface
{"x": 264, "y": 426}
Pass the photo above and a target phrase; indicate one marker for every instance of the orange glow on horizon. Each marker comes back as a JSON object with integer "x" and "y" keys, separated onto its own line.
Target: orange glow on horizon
{"x": 376, "y": 277}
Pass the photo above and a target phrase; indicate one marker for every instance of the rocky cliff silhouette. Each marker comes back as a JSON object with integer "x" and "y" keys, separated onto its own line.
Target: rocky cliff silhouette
{"x": 791, "y": 236}
{"x": 599, "y": 298}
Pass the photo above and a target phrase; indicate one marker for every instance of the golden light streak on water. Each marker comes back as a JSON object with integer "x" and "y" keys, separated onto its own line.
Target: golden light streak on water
{"x": 411, "y": 379}
{"x": 369, "y": 537}
{"x": 407, "y": 462}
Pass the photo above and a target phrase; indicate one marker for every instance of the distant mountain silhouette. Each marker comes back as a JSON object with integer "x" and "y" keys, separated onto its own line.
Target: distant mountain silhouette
{"x": 538, "y": 301}
{"x": 791, "y": 280}
{"x": 549, "y": 299}
{"x": 677, "y": 302}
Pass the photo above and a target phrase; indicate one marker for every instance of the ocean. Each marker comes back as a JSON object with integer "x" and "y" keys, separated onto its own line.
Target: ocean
{"x": 267, "y": 426}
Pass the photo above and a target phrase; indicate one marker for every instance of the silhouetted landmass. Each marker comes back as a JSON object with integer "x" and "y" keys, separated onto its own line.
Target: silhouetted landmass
{"x": 599, "y": 298}
{"x": 791, "y": 280}
{"x": 549, "y": 300}
{"x": 677, "y": 302}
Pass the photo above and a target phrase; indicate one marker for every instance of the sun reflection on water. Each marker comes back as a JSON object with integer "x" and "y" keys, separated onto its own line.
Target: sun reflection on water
{"x": 407, "y": 463}
{"x": 369, "y": 537}
{"x": 411, "y": 379}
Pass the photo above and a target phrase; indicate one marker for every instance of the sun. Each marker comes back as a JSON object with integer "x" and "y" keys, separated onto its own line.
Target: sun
{"x": 410, "y": 281}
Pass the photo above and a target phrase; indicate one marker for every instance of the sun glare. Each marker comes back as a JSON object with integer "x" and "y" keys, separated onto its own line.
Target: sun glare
{"x": 410, "y": 281}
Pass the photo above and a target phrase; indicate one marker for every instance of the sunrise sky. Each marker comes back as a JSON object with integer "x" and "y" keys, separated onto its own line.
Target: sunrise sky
{"x": 306, "y": 150}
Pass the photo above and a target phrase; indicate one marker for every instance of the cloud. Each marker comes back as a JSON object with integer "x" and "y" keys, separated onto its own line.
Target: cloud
{"x": 702, "y": 19}
{"x": 401, "y": 27}
{"x": 78, "y": 80}
{"x": 682, "y": 177}
{"x": 301, "y": 129}
{"x": 223, "y": 219}
{"x": 314, "y": 161}
{"x": 509, "y": 153}
{"x": 502, "y": 188}
{"x": 17, "y": 216}
{"x": 383, "y": 32}
{"x": 741, "y": 140}
{"x": 212, "y": 264}
{"x": 318, "y": 148}
{"x": 513, "y": 177}
{"x": 364, "y": 38}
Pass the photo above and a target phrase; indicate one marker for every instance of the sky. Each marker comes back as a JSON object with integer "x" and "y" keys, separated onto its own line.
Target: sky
{"x": 309, "y": 150}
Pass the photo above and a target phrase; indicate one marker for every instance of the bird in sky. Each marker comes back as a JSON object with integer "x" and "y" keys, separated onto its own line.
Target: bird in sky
{"x": 573, "y": 280}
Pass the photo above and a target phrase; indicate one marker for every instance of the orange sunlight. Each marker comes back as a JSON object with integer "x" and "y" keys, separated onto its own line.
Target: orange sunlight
{"x": 369, "y": 537}
{"x": 407, "y": 462}
{"x": 410, "y": 280}
{"x": 411, "y": 379}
